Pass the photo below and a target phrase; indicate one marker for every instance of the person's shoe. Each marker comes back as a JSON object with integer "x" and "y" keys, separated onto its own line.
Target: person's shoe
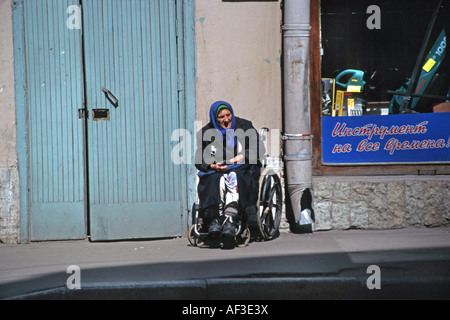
{"x": 229, "y": 228}
{"x": 215, "y": 228}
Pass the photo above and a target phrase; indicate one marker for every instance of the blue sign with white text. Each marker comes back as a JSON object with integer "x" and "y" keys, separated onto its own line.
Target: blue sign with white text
{"x": 405, "y": 138}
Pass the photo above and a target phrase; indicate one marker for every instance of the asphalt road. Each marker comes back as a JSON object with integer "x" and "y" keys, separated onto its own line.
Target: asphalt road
{"x": 412, "y": 263}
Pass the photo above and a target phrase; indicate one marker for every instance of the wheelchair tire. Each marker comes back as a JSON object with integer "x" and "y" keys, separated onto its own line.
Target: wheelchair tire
{"x": 269, "y": 208}
{"x": 193, "y": 239}
{"x": 191, "y": 215}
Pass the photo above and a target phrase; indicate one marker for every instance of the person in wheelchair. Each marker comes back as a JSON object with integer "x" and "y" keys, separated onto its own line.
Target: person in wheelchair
{"x": 228, "y": 160}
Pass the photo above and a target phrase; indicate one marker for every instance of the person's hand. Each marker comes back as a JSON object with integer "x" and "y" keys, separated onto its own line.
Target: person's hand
{"x": 219, "y": 167}
{"x": 238, "y": 159}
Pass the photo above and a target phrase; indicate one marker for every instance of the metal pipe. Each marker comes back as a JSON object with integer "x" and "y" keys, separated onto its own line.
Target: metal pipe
{"x": 297, "y": 130}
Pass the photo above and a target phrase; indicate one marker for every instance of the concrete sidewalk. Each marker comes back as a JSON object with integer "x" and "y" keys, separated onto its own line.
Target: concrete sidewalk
{"x": 413, "y": 263}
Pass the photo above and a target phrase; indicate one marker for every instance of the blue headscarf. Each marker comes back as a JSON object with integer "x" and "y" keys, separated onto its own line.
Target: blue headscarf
{"x": 227, "y": 134}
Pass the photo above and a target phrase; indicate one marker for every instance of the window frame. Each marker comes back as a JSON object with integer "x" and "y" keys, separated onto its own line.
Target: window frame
{"x": 320, "y": 169}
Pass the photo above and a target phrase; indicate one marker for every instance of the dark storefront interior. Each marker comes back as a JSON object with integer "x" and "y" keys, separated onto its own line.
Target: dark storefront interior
{"x": 391, "y": 51}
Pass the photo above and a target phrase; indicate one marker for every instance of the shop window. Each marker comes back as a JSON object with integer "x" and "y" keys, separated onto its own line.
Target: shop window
{"x": 373, "y": 55}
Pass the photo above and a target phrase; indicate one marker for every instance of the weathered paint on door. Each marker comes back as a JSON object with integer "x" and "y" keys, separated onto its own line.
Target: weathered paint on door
{"x": 131, "y": 56}
{"x": 55, "y": 135}
{"x": 126, "y": 50}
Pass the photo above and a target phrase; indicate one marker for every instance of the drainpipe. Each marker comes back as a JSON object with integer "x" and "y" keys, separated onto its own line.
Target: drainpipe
{"x": 297, "y": 137}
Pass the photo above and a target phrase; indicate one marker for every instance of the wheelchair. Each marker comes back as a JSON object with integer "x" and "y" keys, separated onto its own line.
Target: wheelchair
{"x": 256, "y": 223}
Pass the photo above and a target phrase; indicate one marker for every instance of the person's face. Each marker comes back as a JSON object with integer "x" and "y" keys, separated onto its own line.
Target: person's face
{"x": 224, "y": 118}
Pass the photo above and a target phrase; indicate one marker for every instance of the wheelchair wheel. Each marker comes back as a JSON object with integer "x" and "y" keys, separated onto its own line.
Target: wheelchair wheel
{"x": 191, "y": 236}
{"x": 192, "y": 215}
{"x": 270, "y": 206}
{"x": 193, "y": 239}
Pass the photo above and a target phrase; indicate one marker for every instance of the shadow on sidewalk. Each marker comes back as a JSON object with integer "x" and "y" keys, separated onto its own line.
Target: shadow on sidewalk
{"x": 283, "y": 277}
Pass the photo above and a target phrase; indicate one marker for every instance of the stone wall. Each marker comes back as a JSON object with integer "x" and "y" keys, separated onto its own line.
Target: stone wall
{"x": 9, "y": 205}
{"x": 381, "y": 202}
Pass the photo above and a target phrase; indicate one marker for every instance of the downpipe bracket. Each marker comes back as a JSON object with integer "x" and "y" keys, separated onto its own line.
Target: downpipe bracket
{"x": 296, "y": 30}
{"x": 298, "y": 157}
{"x": 297, "y": 136}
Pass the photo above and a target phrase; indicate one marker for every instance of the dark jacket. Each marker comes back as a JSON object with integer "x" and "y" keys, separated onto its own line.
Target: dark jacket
{"x": 247, "y": 174}
{"x": 247, "y": 135}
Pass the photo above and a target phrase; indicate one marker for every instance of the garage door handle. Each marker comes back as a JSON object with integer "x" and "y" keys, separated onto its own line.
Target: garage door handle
{"x": 114, "y": 101}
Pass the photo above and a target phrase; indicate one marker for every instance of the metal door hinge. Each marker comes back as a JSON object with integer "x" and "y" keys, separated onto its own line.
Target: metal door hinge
{"x": 82, "y": 114}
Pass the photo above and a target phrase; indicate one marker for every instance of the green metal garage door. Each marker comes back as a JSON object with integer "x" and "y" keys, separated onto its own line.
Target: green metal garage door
{"x": 115, "y": 84}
